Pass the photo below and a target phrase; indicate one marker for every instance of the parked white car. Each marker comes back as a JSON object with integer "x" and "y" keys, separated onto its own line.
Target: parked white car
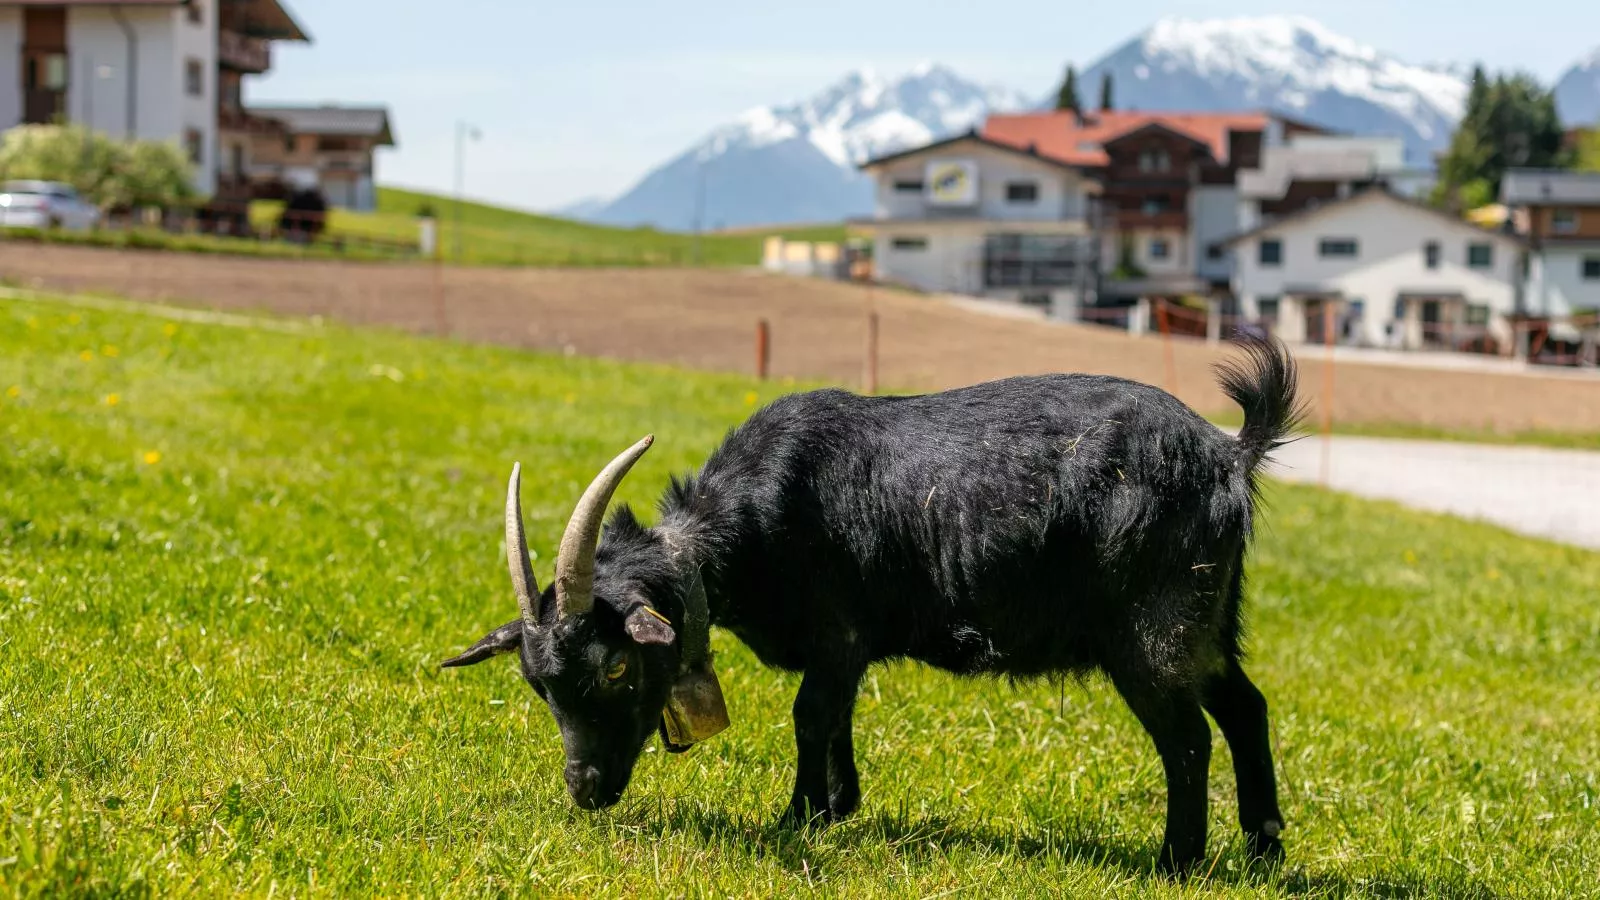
{"x": 45, "y": 204}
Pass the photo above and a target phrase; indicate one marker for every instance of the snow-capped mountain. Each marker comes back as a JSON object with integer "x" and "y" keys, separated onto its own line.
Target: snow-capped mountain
{"x": 1578, "y": 92}
{"x": 1290, "y": 64}
{"x": 797, "y": 163}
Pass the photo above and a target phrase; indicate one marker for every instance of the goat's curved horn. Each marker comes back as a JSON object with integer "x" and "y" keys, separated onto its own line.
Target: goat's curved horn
{"x": 575, "y": 560}
{"x": 522, "y": 580}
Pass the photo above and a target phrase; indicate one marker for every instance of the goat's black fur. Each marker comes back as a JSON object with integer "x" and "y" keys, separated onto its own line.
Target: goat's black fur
{"x": 1034, "y": 526}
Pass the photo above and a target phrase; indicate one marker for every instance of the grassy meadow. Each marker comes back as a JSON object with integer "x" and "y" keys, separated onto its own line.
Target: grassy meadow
{"x": 232, "y": 556}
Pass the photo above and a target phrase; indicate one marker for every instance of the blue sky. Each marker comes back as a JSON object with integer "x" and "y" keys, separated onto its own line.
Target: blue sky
{"x": 579, "y": 99}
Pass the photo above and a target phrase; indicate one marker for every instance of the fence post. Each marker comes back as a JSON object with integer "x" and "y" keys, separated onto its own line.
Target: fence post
{"x": 440, "y": 318}
{"x": 1327, "y": 391}
{"x": 869, "y": 375}
{"x": 1165, "y": 325}
{"x": 763, "y": 348}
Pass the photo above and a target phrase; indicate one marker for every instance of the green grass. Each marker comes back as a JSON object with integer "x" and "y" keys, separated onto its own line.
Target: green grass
{"x": 493, "y": 235}
{"x": 231, "y": 559}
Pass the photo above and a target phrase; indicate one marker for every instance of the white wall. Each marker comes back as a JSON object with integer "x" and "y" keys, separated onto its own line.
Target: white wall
{"x": 164, "y": 39}
{"x": 1061, "y": 191}
{"x": 10, "y": 66}
{"x": 1213, "y": 216}
{"x": 952, "y": 261}
{"x": 199, "y": 41}
{"x": 1556, "y": 283}
{"x": 1390, "y": 261}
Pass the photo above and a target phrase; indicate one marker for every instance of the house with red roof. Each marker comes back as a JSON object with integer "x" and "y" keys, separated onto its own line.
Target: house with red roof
{"x": 1081, "y": 212}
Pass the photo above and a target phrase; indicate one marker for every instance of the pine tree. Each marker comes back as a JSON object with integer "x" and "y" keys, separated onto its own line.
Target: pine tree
{"x": 1509, "y": 122}
{"x": 1105, "y": 91}
{"x": 1067, "y": 96}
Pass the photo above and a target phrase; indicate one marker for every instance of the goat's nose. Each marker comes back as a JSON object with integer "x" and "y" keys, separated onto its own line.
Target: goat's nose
{"x": 583, "y": 783}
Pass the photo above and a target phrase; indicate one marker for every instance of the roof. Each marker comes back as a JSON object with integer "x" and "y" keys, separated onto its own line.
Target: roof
{"x": 358, "y": 121}
{"x": 269, "y": 19}
{"x": 1375, "y": 191}
{"x": 1062, "y": 135}
{"x": 975, "y": 137}
{"x": 264, "y": 18}
{"x": 1542, "y": 187}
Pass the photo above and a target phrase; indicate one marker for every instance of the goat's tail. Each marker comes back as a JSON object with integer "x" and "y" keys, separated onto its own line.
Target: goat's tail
{"x": 1265, "y": 384}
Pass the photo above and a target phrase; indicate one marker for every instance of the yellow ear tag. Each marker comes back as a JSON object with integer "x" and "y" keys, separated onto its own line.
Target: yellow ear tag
{"x": 695, "y": 710}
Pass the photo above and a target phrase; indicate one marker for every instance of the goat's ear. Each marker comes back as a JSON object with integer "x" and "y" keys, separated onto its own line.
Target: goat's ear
{"x": 505, "y": 639}
{"x": 648, "y": 627}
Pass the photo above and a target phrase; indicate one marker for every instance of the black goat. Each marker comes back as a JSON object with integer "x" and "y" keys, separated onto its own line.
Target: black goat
{"x": 1025, "y": 527}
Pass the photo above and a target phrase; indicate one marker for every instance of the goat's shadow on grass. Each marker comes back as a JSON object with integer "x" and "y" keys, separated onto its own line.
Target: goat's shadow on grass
{"x": 816, "y": 852}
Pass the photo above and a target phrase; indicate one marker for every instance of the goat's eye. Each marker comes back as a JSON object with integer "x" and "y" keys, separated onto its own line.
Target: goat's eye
{"x": 619, "y": 667}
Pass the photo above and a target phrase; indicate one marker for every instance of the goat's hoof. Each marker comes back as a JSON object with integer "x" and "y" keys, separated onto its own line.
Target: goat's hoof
{"x": 800, "y": 816}
{"x": 1264, "y": 848}
{"x": 840, "y": 806}
{"x": 1178, "y": 866}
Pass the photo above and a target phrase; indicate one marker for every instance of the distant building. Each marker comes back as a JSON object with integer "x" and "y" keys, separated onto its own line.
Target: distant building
{"x": 973, "y": 215}
{"x": 153, "y": 69}
{"x": 1385, "y": 270}
{"x": 327, "y": 147}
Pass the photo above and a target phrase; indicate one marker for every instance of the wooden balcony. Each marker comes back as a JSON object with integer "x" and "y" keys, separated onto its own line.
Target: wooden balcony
{"x": 243, "y": 54}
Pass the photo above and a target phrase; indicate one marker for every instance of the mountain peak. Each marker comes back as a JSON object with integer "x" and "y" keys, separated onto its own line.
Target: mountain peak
{"x": 1289, "y": 63}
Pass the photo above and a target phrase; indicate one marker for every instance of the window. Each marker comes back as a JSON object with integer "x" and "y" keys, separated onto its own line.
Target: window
{"x": 1155, "y": 205}
{"x": 196, "y": 11}
{"x": 289, "y": 143}
{"x": 231, "y": 97}
{"x": 194, "y": 78}
{"x": 1564, "y": 221}
{"x": 1591, "y": 268}
{"x": 1215, "y": 252}
{"x": 1159, "y": 248}
{"x": 1480, "y": 256}
{"x": 1267, "y": 309}
{"x": 1270, "y": 252}
{"x": 194, "y": 143}
{"x": 909, "y": 244}
{"x": 1154, "y": 161}
{"x": 1430, "y": 254}
{"x": 908, "y": 187}
{"x": 1022, "y": 192}
{"x": 1477, "y": 314}
{"x": 1337, "y": 248}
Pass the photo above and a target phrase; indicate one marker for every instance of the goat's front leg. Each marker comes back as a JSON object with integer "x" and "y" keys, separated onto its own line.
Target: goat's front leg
{"x": 822, "y": 712}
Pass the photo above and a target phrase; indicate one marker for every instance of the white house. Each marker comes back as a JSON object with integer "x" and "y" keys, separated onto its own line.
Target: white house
{"x": 152, "y": 69}
{"x": 974, "y": 216}
{"x": 1394, "y": 273}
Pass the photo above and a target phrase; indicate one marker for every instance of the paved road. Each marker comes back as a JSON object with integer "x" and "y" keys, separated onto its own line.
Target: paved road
{"x": 1546, "y": 493}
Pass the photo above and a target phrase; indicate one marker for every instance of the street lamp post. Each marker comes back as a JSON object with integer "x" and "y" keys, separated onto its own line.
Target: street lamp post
{"x": 463, "y": 132}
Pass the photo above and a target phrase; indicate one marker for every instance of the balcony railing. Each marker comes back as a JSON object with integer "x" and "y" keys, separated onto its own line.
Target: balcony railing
{"x": 43, "y": 107}
{"x": 1022, "y": 260}
{"x": 245, "y": 54}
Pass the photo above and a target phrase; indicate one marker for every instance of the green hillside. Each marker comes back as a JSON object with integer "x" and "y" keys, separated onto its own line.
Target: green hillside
{"x": 492, "y": 235}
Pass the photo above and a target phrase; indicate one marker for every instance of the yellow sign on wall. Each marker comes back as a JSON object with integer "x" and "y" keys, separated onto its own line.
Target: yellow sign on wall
{"x": 952, "y": 183}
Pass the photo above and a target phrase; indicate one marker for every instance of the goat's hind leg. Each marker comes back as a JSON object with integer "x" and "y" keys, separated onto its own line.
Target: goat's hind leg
{"x": 1241, "y": 712}
{"x": 1182, "y": 736}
